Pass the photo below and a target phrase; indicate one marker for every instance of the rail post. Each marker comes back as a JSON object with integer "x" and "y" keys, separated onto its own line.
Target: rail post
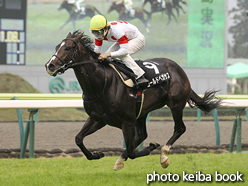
{"x": 217, "y": 127}
{"x": 20, "y": 121}
{"x": 239, "y": 135}
{"x": 237, "y": 125}
{"x": 198, "y": 114}
{"x": 29, "y": 132}
{"x": 246, "y": 114}
{"x": 233, "y": 135}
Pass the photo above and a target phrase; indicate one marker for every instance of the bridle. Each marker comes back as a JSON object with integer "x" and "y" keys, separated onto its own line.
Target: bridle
{"x": 72, "y": 63}
{"x": 65, "y": 65}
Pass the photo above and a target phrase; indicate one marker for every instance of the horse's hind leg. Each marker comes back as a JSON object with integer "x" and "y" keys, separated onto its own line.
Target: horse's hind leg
{"x": 179, "y": 129}
{"x": 140, "y": 136}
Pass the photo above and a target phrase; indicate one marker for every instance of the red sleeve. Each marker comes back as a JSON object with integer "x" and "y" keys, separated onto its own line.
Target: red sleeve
{"x": 98, "y": 42}
{"x": 123, "y": 40}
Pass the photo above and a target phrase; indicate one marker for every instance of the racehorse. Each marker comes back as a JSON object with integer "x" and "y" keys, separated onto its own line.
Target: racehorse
{"x": 74, "y": 16}
{"x": 177, "y": 6}
{"x": 107, "y": 100}
{"x": 157, "y": 7}
{"x": 125, "y": 16}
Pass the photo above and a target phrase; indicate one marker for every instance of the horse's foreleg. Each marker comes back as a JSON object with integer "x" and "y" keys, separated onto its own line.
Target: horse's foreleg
{"x": 89, "y": 127}
{"x": 179, "y": 129}
{"x": 147, "y": 25}
{"x": 74, "y": 25}
{"x": 174, "y": 16}
{"x": 177, "y": 11}
{"x": 169, "y": 16}
{"x": 64, "y": 24}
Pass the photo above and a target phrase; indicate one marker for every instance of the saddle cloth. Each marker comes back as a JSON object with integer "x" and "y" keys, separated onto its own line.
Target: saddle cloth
{"x": 154, "y": 73}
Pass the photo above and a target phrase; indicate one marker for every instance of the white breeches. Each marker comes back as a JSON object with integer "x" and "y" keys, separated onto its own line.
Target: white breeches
{"x": 134, "y": 46}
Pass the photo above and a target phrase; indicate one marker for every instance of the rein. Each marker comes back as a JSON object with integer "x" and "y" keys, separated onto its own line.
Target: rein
{"x": 72, "y": 64}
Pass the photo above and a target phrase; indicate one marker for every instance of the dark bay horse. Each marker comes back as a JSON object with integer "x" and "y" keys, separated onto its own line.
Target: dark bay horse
{"x": 108, "y": 101}
{"x": 90, "y": 11}
{"x": 157, "y": 7}
{"x": 125, "y": 16}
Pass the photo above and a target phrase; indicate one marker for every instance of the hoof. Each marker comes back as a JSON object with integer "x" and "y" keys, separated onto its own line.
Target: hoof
{"x": 98, "y": 155}
{"x": 154, "y": 144}
{"x": 165, "y": 164}
{"x": 118, "y": 166}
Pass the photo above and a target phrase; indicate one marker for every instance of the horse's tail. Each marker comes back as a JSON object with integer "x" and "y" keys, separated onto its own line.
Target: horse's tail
{"x": 207, "y": 103}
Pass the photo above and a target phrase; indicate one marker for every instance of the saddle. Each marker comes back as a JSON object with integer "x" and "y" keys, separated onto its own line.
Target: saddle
{"x": 155, "y": 73}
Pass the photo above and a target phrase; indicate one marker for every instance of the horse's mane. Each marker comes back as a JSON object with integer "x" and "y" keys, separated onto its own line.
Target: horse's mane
{"x": 86, "y": 42}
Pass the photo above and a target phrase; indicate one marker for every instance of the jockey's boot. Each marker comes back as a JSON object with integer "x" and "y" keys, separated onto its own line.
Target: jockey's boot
{"x": 132, "y": 13}
{"x": 142, "y": 81}
{"x": 82, "y": 11}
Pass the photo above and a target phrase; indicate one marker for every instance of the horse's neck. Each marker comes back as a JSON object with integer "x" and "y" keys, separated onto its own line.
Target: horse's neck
{"x": 69, "y": 8}
{"x": 91, "y": 79}
{"x": 121, "y": 8}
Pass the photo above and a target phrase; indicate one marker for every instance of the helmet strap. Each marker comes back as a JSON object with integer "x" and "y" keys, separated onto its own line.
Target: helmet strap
{"x": 105, "y": 31}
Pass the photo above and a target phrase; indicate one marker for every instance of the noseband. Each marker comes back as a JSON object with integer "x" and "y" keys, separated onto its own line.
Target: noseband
{"x": 65, "y": 65}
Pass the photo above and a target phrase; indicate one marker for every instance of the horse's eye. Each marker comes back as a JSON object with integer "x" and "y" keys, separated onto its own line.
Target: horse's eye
{"x": 67, "y": 48}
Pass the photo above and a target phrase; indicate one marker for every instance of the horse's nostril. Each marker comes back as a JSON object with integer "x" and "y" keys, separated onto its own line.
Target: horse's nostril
{"x": 51, "y": 67}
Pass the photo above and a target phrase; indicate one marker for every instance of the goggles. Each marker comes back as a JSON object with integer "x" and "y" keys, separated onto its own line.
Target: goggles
{"x": 98, "y": 33}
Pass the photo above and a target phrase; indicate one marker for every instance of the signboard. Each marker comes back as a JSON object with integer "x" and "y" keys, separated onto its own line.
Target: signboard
{"x": 59, "y": 85}
{"x": 206, "y": 34}
{"x": 13, "y": 31}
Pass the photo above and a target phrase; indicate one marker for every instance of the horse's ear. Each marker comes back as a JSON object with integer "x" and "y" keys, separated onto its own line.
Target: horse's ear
{"x": 69, "y": 35}
{"x": 79, "y": 37}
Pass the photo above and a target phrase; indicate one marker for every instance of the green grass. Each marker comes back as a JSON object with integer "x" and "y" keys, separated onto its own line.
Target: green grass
{"x": 80, "y": 171}
{"x": 43, "y": 34}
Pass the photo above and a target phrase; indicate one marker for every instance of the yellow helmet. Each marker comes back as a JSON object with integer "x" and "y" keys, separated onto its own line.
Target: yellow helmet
{"x": 98, "y": 22}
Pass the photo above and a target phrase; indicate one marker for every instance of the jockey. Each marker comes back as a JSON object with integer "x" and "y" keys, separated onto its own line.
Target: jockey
{"x": 162, "y": 3}
{"x": 127, "y": 41}
{"x": 79, "y": 9}
{"x": 128, "y": 7}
